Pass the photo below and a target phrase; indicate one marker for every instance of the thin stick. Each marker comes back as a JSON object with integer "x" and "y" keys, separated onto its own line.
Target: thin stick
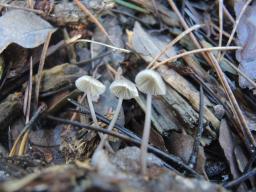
{"x": 236, "y": 25}
{"x": 220, "y": 26}
{"x": 22, "y": 8}
{"x": 106, "y": 45}
{"x": 173, "y": 58}
{"x": 152, "y": 149}
{"x": 193, "y": 157}
{"x": 41, "y": 67}
{"x": 171, "y": 44}
{"x": 84, "y": 110}
{"x": 241, "y": 179}
{"x": 93, "y": 18}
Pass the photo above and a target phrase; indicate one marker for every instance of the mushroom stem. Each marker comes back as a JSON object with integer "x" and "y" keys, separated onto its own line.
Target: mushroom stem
{"x": 145, "y": 137}
{"x": 93, "y": 114}
{"x": 94, "y": 118}
{"x": 112, "y": 123}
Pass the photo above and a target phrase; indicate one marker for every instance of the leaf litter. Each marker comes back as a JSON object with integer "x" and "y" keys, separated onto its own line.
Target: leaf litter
{"x": 92, "y": 38}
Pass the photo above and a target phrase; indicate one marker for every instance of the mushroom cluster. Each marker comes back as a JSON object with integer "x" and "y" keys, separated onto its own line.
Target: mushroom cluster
{"x": 147, "y": 81}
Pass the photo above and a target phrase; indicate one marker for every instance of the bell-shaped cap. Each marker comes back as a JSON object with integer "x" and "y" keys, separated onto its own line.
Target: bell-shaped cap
{"x": 90, "y": 85}
{"x": 150, "y": 82}
{"x": 123, "y": 88}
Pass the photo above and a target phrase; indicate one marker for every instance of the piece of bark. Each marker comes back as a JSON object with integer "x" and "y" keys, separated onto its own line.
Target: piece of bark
{"x": 188, "y": 91}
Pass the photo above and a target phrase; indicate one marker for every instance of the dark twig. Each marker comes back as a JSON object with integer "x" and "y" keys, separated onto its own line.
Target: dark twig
{"x": 50, "y": 93}
{"x": 176, "y": 160}
{"x": 102, "y": 118}
{"x": 241, "y": 179}
{"x": 193, "y": 157}
{"x": 94, "y": 58}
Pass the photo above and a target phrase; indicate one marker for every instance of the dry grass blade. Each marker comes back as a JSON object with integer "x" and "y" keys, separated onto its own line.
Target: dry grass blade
{"x": 220, "y": 26}
{"x": 193, "y": 52}
{"x": 41, "y": 67}
{"x": 24, "y": 140}
{"x": 172, "y": 43}
{"x": 226, "y": 12}
{"x": 103, "y": 44}
{"x": 93, "y": 18}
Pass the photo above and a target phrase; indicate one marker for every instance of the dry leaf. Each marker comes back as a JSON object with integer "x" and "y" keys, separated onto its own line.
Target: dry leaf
{"x": 149, "y": 46}
{"x": 23, "y": 28}
{"x": 247, "y": 37}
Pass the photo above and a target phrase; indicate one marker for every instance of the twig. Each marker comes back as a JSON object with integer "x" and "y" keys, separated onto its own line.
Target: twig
{"x": 22, "y": 8}
{"x": 84, "y": 110}
{"x": 172, "y": 43}
{"x": 241, "y": 179}
{"x": 94, "y": 58}
{"x": 193, "y": 157}
{"x": 152, "y": 149}
{"x": 50, "y": 93}
{"x": 33, "y": 119}
{"x": 41, "y": 67}
{"x": 173, "y": 58}
{"x": 103, "y": 44}
{"x": 93, "y": 18}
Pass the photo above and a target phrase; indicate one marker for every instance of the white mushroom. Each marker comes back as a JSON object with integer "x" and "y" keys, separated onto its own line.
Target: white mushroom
{"x": 93, "y": 88}
{"x": 123, "y": 89}
{"x": 150, "y": 83}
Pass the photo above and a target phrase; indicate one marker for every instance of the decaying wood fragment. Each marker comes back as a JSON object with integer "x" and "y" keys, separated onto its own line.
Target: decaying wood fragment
{"x": 188, "y": 91}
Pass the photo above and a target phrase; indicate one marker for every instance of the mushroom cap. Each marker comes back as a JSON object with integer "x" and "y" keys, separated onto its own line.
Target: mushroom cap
{"x": 123, "y": 88}
{"x": 150, "y": 82}
{"x": 90, "y": 85}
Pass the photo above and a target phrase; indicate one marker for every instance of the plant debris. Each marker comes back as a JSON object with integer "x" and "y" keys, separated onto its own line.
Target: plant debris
{"x": 127, "y": 95}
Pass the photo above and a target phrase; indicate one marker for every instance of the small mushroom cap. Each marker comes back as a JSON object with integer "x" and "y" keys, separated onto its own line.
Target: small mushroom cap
{"x": 123, "y": 88}
{"x": 90, "y": 85}
{"x": 150, "y": 82}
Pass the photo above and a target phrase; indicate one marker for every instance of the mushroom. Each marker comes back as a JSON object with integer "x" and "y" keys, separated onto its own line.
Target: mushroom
{"x": 93, "y": 88}
{"x": 123, "y": 89}
{"x": 150, "y": 83}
